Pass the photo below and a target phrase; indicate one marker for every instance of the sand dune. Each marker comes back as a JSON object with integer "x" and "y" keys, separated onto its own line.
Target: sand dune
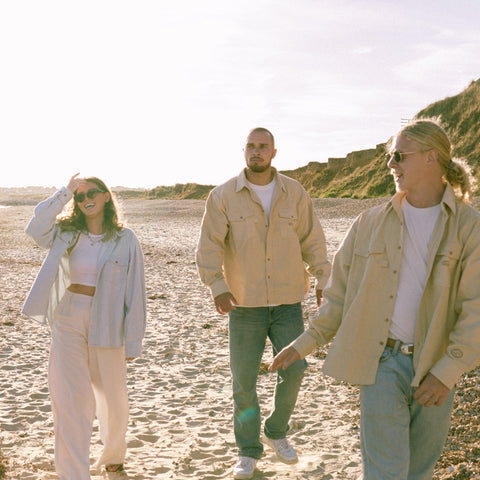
{"x": 180, "y": 393}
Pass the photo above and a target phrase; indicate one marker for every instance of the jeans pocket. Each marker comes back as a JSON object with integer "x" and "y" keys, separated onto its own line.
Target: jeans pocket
{"x": 387, "y": 353}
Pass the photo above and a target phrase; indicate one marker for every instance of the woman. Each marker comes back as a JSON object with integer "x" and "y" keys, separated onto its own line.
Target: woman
{"x": 91, "y": 290}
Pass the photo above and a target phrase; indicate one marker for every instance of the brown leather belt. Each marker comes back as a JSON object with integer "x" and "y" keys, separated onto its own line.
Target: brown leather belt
{"x": 405, "y": 348}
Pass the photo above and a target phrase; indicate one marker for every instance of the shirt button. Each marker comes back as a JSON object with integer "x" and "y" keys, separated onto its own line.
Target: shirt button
{"x": 391, "y": 296}
{"x": 394, "y": 271}
{"x": 381, "y": 343}
{"x": 387, "y": 319}
{"x": 456, "y": 353}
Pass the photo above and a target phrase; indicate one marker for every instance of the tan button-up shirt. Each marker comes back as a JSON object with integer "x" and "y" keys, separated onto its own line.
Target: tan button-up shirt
{"x": 261, "y": 260}
{"x": 360, "y": 296}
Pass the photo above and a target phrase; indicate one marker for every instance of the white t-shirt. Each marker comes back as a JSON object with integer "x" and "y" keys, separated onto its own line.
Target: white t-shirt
{"x": 419, "y": 223}
{"x": 265, "y": 194}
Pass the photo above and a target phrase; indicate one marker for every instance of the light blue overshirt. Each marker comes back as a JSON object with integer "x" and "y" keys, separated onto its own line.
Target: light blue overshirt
{"x": 118, "y": 314}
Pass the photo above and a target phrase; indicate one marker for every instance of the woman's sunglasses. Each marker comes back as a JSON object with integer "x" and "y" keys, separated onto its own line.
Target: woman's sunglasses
{"x": 92, "y": 193}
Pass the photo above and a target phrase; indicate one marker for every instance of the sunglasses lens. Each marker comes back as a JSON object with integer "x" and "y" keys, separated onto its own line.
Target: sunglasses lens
{"x": 93, "y": 193}
{"x": 80, "y": 197}
{"x": 396, "y": 155}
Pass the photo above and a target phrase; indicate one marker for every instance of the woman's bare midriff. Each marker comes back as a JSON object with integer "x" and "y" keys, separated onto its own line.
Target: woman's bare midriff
{"x": 82, "y": 289}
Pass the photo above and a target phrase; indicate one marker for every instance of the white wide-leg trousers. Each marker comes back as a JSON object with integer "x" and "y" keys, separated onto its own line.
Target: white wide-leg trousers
{"x": 85, "y": 381}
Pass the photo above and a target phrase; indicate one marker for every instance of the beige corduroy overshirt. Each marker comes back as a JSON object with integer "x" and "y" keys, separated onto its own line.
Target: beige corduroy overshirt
{"x": 360, "y": 296}
{"x": 261, "y": 260}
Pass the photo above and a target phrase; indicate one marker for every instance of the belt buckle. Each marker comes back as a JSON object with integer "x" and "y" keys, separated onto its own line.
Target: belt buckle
{"x": 405, "y": 348}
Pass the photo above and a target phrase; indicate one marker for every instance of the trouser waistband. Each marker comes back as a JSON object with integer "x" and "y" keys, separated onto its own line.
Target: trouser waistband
{"x": 405, "y": 348}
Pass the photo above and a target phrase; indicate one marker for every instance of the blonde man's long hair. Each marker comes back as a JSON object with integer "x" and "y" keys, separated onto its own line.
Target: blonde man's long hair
{"x": 429, "y": 134}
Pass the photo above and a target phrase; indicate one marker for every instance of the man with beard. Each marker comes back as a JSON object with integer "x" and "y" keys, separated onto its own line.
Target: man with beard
{"x": 258, "y": 232}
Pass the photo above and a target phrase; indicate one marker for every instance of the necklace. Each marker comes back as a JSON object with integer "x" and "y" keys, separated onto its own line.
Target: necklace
{"x": 94, "y": 239}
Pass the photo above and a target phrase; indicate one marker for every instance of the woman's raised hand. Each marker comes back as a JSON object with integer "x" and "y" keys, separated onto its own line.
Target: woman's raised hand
{"x": 75, "y": 182}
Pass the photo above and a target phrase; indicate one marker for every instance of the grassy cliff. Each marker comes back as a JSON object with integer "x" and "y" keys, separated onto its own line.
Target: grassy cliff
{"x": 181, "y": 191}
{"x": 364, "y": 174}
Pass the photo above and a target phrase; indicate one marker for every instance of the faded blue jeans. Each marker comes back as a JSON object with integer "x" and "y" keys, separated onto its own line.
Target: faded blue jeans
{"x": 399, "y": 438}
{"x": 248, "y": 331}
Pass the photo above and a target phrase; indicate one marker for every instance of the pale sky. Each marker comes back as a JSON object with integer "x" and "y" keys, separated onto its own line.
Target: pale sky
{"x": 152, "y": 92}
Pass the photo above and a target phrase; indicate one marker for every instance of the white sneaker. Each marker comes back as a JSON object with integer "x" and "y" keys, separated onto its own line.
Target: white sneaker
{"x": 283, "y": 449}
{"x": 244, "y": 468}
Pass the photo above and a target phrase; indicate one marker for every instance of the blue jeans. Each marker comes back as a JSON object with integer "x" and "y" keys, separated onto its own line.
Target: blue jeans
{"x": 399, "y": 438}
{"x": 248, "y": 331}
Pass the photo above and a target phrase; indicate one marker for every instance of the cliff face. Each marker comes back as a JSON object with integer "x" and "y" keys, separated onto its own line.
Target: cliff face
{"x": 364, "y": 173}
{"x": 360, "y": 174}
{"x": 181, "y": 191}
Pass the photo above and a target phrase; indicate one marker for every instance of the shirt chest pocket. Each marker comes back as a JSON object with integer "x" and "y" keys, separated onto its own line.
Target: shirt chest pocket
{"x": 446, "y": 265}
{"x": 115, "y": 270}
{"x": 241, "y": 228}
{"x": 370, "y": 264}
{"x": 288, "y": 221}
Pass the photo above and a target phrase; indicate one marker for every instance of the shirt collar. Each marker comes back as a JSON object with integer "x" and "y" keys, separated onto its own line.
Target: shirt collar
{"x": 242, "y": 180}
{"x": 448, "y": 200}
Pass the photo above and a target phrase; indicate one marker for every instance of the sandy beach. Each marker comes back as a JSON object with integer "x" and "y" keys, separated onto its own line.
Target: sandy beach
{"x": 180, "y": 393}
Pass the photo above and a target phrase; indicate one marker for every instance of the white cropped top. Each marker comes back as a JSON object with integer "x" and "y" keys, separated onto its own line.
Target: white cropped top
{"x": 84, "y": 259}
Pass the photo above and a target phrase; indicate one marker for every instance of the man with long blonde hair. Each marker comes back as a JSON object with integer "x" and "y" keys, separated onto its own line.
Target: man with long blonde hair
{"x": 403, "y": 306}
